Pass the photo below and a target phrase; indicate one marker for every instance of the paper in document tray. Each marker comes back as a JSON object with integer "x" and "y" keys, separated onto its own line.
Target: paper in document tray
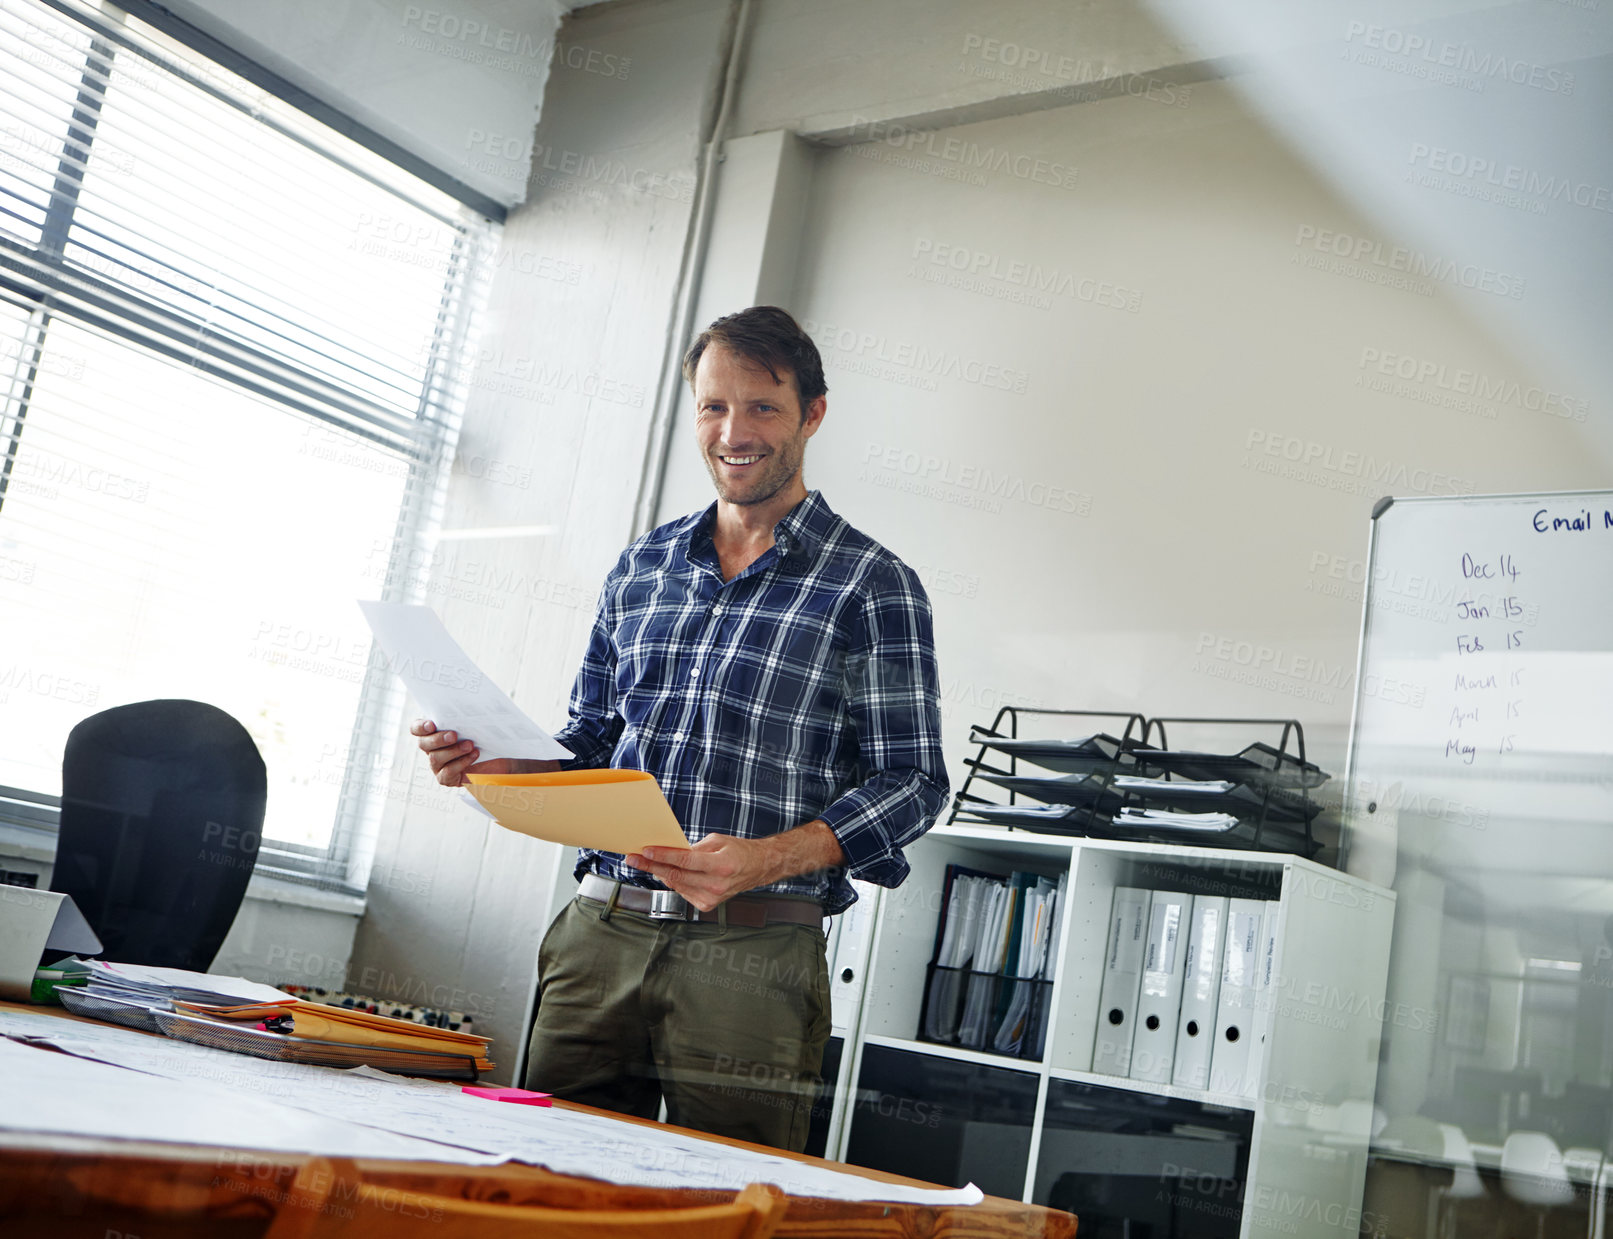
{"x": 614, "y": 810}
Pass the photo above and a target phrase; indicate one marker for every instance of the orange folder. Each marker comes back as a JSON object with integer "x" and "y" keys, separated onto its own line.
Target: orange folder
{"x": 614, "y": 810}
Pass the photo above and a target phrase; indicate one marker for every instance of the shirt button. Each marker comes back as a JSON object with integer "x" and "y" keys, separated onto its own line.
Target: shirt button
{"x": 716, "y": 608}
{"x": 678, "y": 737}
{"x": 694, "y": 673}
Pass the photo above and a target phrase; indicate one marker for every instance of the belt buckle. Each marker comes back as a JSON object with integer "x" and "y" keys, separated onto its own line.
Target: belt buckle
{"x": 668, "y": 906}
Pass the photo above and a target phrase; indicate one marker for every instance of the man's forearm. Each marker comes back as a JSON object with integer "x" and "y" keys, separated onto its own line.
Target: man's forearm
{"x": 805, "y": 849}
{"x": 721, "y": 866}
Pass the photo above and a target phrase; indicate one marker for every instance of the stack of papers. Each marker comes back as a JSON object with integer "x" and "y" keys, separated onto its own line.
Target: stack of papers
{"x": 132, "y": 994}
{"x": 1166, "y": 819}
{"x": 1178, "y": 787}
{"x": 1035, "y": 962}
{"x": 248, "y": 1018}
{"x": 161, "y": 987}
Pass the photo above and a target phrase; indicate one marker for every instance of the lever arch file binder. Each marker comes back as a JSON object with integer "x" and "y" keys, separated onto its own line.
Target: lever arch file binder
{"x": 1265, "y": 996}
{"x": 1122, "y": 977}
{"x": 1159, "y": 1000}
{"x": 1232, "y": 1060}
{"x": 1195, "y": 1030}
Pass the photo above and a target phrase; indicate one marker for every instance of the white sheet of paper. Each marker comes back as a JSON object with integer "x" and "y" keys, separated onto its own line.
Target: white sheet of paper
{"x": 65, "y": 1095}
{"x": 451, "y": 689}
{"x": 564, "y": 1141}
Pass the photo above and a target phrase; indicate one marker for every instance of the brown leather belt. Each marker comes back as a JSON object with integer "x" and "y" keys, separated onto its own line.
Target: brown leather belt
{"x": 747, "y": 911}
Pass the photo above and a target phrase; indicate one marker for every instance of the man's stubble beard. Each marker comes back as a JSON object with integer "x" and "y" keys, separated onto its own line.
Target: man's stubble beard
{"x": 787, "y": 463}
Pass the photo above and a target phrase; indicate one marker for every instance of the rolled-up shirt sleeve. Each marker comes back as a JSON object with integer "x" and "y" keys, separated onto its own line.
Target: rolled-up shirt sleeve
{"x": 892, "y": 695}
{"x": 595, "y": 725}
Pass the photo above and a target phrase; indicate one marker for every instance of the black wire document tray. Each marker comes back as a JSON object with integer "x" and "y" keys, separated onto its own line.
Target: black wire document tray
{"x": 1066, "y": 789}
{"x": 1138, "y": 789}
{"x": 1259, "y": 765}
{"x": 1092, "y": 755}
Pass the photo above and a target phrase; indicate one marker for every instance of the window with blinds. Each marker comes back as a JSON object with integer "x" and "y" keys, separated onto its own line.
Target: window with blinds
{"x": 229, "y": 388}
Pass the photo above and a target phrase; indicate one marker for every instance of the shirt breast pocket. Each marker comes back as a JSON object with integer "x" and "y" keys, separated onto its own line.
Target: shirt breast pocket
{"x": 784, "y": 700}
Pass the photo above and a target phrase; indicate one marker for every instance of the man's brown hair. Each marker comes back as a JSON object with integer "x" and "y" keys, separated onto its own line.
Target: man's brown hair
{"x": 766, "y": 336}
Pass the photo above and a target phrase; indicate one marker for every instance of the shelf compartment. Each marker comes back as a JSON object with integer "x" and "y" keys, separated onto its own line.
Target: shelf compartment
{"x": 1126, "y": 1163}
{"x": 929, "y": 1112}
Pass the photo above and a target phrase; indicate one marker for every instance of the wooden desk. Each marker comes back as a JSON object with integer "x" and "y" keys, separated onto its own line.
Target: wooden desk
{"x": 57, "y": 1187}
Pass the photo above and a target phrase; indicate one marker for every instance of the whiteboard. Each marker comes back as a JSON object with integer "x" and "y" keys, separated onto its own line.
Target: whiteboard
{"x": 1484, "y": 689}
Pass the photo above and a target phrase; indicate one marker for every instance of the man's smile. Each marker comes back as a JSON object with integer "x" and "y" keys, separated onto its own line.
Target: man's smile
{"x": 737, "y": 462}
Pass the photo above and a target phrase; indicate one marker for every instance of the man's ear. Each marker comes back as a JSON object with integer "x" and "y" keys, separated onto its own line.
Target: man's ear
{"x": 813, "y": 417}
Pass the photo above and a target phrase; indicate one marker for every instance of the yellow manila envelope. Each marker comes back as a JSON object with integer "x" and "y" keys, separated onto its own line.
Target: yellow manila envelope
{"x": 613, "y": 810}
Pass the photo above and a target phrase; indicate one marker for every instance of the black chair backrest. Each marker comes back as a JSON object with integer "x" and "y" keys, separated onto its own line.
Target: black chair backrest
{"x": 162, "y": 813}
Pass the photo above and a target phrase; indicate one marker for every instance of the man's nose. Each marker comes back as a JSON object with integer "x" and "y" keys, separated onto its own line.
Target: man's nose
{"x": 735, "y": 430}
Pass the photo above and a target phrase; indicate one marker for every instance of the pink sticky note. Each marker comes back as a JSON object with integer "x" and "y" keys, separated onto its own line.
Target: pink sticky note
{"x": 520, "y": 1096}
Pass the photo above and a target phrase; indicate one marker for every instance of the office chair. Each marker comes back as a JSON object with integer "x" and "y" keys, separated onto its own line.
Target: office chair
{"x": 330, "y": 1200}
{"x": 1534, "y": 1173}
{"x": 162, "y": 812}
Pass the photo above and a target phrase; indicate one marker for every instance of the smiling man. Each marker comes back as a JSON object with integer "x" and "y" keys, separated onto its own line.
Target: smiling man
{"x": 775, "y": 670}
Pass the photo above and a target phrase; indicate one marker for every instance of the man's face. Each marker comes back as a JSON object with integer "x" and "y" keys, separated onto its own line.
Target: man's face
{"x": 750, "y": 427}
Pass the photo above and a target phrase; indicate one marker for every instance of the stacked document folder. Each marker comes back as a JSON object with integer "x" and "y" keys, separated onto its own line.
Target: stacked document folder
{"x": 315, "y": 1024}
{"x": 130, "y": 994}
{"x": 259, "y": 1041}
{"x": 236, "y": 1014}
{"x": 993, "y": 962}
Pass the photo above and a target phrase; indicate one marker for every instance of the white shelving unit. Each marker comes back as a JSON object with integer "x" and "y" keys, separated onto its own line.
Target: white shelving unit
{"x": 1305, "y": 1135}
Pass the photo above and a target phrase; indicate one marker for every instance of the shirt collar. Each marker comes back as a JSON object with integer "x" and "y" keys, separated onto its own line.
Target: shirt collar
{"x": 800, "y": 534}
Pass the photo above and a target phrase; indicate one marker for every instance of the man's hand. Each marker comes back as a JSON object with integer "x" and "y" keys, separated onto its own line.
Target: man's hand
{"x": 452, "y": 758}
{"x": 722, "y": 866}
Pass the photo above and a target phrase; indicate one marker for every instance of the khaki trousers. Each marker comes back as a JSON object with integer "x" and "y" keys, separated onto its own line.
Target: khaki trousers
{"x": 727, "y": 1024}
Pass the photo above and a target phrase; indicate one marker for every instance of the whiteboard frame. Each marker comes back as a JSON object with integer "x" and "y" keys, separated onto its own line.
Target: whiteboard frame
{"x": 1382, "y": 506}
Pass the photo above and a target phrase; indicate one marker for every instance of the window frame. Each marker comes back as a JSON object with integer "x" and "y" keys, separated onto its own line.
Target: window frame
{"x": 343, "y": 864}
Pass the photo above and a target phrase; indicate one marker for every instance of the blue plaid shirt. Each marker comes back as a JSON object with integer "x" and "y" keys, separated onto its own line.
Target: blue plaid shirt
{"x": 804, "y": 688}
